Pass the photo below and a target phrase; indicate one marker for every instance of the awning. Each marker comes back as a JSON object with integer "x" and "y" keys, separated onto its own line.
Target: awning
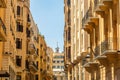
{"x": 4, "y": 73}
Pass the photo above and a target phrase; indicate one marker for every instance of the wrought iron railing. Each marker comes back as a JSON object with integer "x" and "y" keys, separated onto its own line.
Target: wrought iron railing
{"x": 109, "y": 44}
{"x": 96, "y": 3}
{"x": 104, "y": 46}
{"x": 87, "y": 15}
{"x": 3, "y": 26}
{"x": 97, "y": 50}
{"x": 34, "y": 65}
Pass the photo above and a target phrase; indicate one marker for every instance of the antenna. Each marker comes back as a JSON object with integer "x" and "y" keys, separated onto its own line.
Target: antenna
{"x": 57, "y": 48}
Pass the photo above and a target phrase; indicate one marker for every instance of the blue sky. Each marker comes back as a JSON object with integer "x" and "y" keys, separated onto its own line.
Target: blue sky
{"x": 49, "y": 16}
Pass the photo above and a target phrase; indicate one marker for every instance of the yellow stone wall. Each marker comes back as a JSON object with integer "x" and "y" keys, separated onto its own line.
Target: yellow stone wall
{"x": 43, "y": 57}
{"x": 98, "y": 53}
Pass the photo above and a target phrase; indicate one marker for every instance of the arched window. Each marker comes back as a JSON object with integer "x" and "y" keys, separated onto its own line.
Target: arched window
{"x": 18, "y": 10}
{"x": 69, "y": 34}
{"x": 18, "y": 43}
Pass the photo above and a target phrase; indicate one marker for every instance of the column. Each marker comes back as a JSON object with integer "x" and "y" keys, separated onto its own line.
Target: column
{"x": 101, "y": 73}
{"x": 110, "y": 32}
{"x": 118, "y": 23}
{"x": 104, "y": 73}
{"x": 112, "y": 72}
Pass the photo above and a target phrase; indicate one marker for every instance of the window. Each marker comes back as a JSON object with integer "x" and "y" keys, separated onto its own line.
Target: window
{"x": 18, "y": 60}
{"x": 28, "y": 32}
{"x": 69, "y": 52}
{"x": 54, "y": 66}
{"x": 48, "y": 67}
{"x": 18, "y": 10}
{"x": 68, "y": 2}
{"x": 58, "y": 61}
{"x": 37, "y": 51}
{"x": 58, "y": 66}
{"x": 53, "y": 61}
{"x": 62, "y": 61}
{"x": 62, "y": 67}
{"x": 41, "y": 70}
{"x": 18, "y": 77}
{"x": 19, "y": 27}
{"x": 18, "y": 43}
{"x": 69, "y": 34}
{"x": 36, "y": 77}
{"x": 69, "y": 17}
{"x": 37, "y": 64}
{"x": 28, "y": 18}
{"x": 27, "y": 64}
{"x": 41, "y": 46}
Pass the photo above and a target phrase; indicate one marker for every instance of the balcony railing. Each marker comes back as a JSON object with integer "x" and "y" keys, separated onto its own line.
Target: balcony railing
{"x": 32, "y": 48}
{"x": 87, "y": 15}
{"x": 2, "y": 31}
{"x": 33, "y": 66}
{"x": 97, "y": 50}
{"x": 3, "y": 3}
{"x": 2, "y": 25}
{"x": 44, "y": 72}
{"x": 108, "y": 45}
{"x": 96, "y": 3}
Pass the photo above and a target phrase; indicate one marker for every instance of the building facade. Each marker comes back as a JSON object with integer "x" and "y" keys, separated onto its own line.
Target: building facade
{"x": 43, "y": 58}
{"x": 58, "y": 65}
{"x": 22, "y": 49}
{"x": 94, "y": 40}
{"x": 3, "y": 37}
{"x": 49, "y": 63}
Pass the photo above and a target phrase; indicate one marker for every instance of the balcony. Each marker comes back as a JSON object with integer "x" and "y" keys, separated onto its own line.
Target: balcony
{"x": 108, "y": 2}
{"x": 79, "y": 56}
{"x": 97, "y": 50}
{"x": 91, "y": 66}
{"x": 75, "y": 60}
{"x": 84, "y": 53}
{"x": 28, "y": 22}
{"x": 32, "y": 48}
{"x": 109, "y": 49}
{"x": 33, "y": 67}
{"x": 86, "y": 21}
{"x": 2, "y": 31}
{"x": 96, "y": 2}
{"x": 87, "y": 67}
{"x": 19, "y": 17}
{"x": 86, "y": 17}
{"x": 102, "y": 59}
{"x": 98, "y": 7}
{"x": 102, "y": 5}
{"x": 94, "y": 21}
{"x": 2, "y": 3}
{"x": 26, "y": 3}
{"x": 44, "y": 72}
{"x": 36, "y": 55}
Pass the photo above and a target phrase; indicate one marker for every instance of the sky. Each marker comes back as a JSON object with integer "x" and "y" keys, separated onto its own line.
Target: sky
{"x": 49, "y": 17}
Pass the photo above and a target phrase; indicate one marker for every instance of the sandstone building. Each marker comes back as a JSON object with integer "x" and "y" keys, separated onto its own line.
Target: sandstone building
{"x": 94, "y": 52}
